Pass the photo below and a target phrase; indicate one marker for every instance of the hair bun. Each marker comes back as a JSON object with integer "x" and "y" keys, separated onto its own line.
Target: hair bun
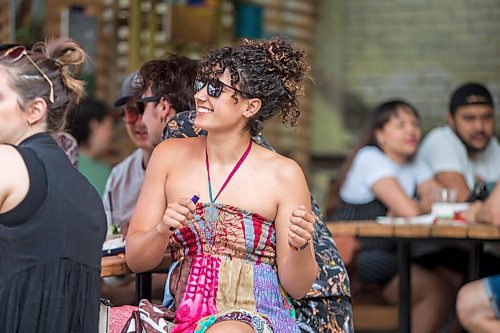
{"x": 287, "y": 61}
{"x": 70, "y": 58}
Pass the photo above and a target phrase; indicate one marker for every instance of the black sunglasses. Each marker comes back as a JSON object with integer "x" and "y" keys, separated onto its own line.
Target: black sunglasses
{"x": 141, "y": 102}
{"x": 215, "y": 87}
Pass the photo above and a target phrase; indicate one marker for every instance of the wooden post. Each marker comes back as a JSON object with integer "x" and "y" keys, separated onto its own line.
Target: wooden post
{"x": 135, "y": 24}
{"x": 4, "y": 21}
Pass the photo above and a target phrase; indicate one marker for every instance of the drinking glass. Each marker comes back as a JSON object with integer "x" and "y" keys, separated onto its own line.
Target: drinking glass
{"x": 443, "y": 204}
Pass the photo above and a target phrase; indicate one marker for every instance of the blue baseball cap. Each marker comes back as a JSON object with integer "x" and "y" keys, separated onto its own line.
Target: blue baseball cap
{"x": 130, "y": 86}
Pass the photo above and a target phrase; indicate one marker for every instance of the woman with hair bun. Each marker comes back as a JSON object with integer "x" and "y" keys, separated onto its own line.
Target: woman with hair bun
{"x": 52, "y": 223}
{"x": 245, "y": 247}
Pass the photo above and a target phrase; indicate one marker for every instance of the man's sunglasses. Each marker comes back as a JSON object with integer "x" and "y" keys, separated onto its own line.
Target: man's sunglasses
{"x": 141, "y": 102}
{"x": 17, "y": 52}
{"x": 130, "y": 115}
{"x": 214, "y": 87}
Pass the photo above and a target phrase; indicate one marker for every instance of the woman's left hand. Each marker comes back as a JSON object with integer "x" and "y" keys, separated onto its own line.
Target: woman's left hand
{"x": 300, "y": 232}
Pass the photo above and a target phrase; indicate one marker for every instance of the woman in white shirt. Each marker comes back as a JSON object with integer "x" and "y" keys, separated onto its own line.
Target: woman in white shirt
{"x": 382, "y": 178}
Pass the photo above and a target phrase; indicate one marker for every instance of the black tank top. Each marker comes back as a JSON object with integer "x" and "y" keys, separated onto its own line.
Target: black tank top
{"x": 50, "y": 247}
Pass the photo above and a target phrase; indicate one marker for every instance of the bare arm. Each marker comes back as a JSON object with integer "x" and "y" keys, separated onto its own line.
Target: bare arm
{"x": 14, "y": 178}
{"x": 425, "y": 194}
{"x": 389, "y": 191}
{"x": 148, "y": 234}
{"x": 490, "y": 210}
{"x": 454, "y": 180}
{"x": 295, "y": 223}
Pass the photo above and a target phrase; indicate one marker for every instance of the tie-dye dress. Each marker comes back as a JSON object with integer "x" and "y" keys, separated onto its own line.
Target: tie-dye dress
{"x": 225, "y": 269}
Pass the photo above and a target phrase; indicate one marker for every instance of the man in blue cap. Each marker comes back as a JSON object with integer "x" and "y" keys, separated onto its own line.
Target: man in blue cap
{"x": 125, "y": 181}
{"x": 123, "y": 186}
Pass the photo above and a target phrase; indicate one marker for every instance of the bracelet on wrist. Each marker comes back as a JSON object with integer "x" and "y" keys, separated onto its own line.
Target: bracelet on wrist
{"x": 300, "y": 248}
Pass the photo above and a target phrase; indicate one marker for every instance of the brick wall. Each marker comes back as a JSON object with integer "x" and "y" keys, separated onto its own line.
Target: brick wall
{"x": 366, "y": 51}
{"x": 420, "y": 50}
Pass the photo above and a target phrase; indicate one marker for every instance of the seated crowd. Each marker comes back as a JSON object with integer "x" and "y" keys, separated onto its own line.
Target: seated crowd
{"x": 254, "y": 253}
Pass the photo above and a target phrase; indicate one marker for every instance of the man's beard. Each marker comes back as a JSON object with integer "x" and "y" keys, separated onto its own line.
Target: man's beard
{"x": 470, "y": 149}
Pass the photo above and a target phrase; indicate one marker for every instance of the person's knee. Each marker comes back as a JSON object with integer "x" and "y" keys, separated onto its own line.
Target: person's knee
{"x": 464, "y": 307}
{"x": 431, "y": 287}
{"x": 471, "y": 300}
{"x": 430, "y": 284}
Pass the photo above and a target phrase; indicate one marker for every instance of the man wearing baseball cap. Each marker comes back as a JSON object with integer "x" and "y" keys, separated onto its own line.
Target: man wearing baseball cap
{"x": 124, "y": 182}
{"x": 123, "y": 186}
{"x": 465, "y": 151}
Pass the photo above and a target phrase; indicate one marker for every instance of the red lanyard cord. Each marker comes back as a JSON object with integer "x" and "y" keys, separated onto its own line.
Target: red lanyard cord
{"x": 235, "y": 168}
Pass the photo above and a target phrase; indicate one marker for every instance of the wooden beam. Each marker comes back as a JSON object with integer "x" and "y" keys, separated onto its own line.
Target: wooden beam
{"x": 135, "y": 25}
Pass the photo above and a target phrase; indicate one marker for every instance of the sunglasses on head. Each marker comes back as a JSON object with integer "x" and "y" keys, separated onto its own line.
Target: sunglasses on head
{"x": 141, "y": 102}
{"x": 17, "y": 52}
{"x": 214, "y": 87}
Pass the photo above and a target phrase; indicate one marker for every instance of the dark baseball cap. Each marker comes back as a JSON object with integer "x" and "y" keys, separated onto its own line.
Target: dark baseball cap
{"x": 130, "y": 86}
{"x": 470, "y": 94}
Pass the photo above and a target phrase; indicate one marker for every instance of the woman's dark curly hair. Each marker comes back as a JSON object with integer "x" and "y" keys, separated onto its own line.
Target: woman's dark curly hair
{"x": 271, "y": 70}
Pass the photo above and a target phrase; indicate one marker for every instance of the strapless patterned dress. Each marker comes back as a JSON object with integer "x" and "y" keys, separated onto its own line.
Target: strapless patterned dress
{"x": 225, "y": 269}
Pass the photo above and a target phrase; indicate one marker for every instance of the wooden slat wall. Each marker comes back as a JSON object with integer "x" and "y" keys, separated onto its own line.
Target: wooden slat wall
{"x": 131, "y": 32}
{"x": 106, "y": 49}
{"x": 107, "y": 73}
{"x": 4, "y": 21}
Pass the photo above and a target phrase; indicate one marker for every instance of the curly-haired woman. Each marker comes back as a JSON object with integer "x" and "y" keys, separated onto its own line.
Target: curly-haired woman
{"x": 241, "y": 250}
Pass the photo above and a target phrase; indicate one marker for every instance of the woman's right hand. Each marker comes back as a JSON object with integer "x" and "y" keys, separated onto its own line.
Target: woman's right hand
{"x": 177, "y": 215}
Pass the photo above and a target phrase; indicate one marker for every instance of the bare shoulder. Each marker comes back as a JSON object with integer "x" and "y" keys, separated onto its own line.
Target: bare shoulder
{"x": 177, "y": 148}
{"x": 13, "y": 167}
{"x": 283, "y": 168}
{"x": 10, "y": 154}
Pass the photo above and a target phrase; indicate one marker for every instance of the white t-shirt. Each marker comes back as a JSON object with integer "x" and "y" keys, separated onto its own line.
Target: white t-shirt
{"x": 124, "y": 183}
{"x": 443, "y": 151}
{"x": 371, "y": 165}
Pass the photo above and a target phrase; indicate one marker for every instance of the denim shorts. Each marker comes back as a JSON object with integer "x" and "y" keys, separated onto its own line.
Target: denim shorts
{"x": 492, "y": 288}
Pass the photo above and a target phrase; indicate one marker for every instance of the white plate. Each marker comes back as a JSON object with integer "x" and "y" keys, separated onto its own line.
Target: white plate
{"x": 421, "y": 219}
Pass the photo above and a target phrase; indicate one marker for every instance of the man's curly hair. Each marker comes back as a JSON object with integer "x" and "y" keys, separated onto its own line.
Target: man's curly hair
{"x": 171, "y": 77}
{"x": 271, "y": 70}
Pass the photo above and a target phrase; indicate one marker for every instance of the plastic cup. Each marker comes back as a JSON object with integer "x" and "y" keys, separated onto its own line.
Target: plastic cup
{"x": 443, "y": 204}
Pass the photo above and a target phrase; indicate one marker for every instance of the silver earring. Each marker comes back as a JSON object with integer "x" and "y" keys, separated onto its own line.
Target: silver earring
{"x": 29, "y": 122}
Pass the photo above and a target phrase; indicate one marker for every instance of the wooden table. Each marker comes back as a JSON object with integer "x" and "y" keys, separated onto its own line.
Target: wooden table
{"x": 117, "y": 265}
{"x": 405, "y": 234}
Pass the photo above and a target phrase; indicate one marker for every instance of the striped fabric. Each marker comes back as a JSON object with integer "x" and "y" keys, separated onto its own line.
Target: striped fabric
{"x": 230, "y": 257}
